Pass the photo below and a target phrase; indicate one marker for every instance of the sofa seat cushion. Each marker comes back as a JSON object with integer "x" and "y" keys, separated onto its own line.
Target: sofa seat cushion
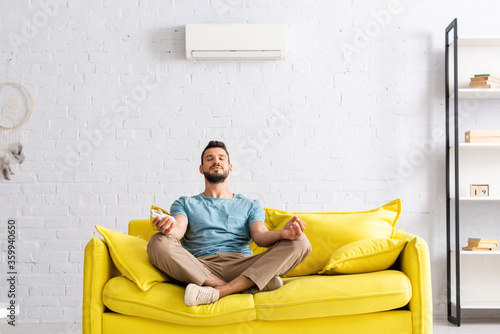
{"x": 165, "y": 302}
{"x": 323, "y": 296}
{"x": 300, "y": 298}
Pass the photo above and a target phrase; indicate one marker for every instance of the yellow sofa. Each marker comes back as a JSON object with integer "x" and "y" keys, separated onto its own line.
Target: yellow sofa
{"x": 396, "y": 299}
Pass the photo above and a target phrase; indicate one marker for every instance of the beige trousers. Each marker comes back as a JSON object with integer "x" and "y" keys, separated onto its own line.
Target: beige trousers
{"x": 167, "y": 254}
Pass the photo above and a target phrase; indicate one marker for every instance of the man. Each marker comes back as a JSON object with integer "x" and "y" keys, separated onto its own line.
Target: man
{"x": 215, "y": 226}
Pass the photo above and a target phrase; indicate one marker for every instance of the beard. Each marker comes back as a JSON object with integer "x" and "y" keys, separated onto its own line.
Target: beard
{"x": 216, "y": 177}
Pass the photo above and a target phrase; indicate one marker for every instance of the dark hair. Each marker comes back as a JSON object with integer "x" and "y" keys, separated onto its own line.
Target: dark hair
{"x": 215, "y": 143}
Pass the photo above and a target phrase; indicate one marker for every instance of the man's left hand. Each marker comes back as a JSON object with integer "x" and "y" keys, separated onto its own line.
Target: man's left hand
{"x": 293, "y": 229}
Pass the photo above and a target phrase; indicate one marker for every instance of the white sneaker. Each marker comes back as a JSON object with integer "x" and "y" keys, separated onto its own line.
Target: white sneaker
{"x": 200, "y": 295}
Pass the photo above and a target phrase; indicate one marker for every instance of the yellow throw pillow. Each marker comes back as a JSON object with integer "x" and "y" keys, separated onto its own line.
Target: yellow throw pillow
{"x": 131, "y": 258}
{"x": 328, "y": 231}
{"x": 364, "y": 256}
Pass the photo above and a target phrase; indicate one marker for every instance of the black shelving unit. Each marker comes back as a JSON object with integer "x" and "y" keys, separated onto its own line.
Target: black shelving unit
{"x": 471, "y": 276}
{"x": 450, "y": 236}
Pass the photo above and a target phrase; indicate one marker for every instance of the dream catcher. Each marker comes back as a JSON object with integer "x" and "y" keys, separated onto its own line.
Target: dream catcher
{"x": 16, "y": 107}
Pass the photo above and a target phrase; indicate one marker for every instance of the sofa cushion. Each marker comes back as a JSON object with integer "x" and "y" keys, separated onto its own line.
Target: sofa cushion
{"x": 131, "y": 258}
{"x": 323, "y": 296}
{"x": 300, "y": 298}
{"x": 328, "y": 231}
{"x": 165, "y": 302}
{"x": 364, "y": 256}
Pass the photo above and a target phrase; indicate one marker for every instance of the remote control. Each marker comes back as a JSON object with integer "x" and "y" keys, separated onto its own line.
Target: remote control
{"x": 159, "y": 214}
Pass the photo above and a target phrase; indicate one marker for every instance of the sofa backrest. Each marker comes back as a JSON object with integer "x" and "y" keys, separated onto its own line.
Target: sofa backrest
{"x": 141, "y": 228}
{"x": 327, "y": 231}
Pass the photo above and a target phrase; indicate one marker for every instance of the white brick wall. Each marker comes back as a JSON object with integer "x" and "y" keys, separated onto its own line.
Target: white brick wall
{"x": 121, "y": 117}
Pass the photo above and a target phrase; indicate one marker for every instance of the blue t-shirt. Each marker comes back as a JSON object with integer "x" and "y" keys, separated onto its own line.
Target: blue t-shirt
{"x": 218, "y": 225}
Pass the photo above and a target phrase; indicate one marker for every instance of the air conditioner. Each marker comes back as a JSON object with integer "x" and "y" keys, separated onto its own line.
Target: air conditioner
{"x": 235, "y": 41}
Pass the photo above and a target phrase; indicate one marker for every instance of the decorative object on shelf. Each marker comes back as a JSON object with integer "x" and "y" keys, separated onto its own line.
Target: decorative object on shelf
{"x": 482, "y": 136}
{"x": 479, "y": 190}
{"x": 16, "y": 108}
{"x": 479, "y": 244}
{"x": 484, "y": 81}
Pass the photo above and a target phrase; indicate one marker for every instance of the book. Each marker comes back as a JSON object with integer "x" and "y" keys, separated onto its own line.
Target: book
{"x": 488, "y": 78}
{"x": 484, "y": 83}
{"x": 483, "y": 140}
{"x": 482, "y": 136}
{"x": 482, "y": 245}
{"x": 485, "y": 86}
{"x": 479, "y": 244}
{"x": 482, "y": 240}
{"x": 476, "y": 248}
{"x": 482, "y": 133}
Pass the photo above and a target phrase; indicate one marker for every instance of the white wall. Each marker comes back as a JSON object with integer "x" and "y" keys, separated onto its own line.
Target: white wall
{"x": 121, "y": 117}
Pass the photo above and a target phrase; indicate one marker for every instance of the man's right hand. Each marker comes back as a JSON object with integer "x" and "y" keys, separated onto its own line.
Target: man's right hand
{"x": 165, "y": 225}
{"x": 175, "y": 226}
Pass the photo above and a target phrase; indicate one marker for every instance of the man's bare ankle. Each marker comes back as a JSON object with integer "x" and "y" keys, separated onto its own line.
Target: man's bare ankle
{"x": 213, "y": 281}
{"x": 224, "y": 290}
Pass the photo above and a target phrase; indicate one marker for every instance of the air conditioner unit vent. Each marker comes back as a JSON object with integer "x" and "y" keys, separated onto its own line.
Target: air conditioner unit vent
{"x": 235, "y": 41}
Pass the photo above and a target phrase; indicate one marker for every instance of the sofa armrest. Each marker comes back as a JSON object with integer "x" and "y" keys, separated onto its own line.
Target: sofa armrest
{"x": 98, "y": 269}
{"x": 415, "y": 263}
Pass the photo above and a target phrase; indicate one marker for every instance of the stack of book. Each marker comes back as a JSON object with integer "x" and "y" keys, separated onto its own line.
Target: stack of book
{"x": 478, "y": 244}
{"x": 484, "y": 81}
{"x": 482, "y": 136}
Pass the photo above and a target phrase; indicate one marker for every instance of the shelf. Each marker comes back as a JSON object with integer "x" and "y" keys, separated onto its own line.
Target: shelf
{"x": 479, "y": 305}
{"x": 479, "y": 145}
{"x": 464, "y": 252}
{"x": 476, "y": 55}
{"x": 478, "y": 41}
{"x": 478, "y": 279}
{"x": 478, "y": 93}
{"x": 490, "y": 253}
{"x": 476, "y": 146}
{"x": 478, "y": 164}
{"x": 477, "y": 199}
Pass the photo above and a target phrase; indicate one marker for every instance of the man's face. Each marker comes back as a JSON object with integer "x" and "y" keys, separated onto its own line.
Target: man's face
{"x": 216, "y": 167}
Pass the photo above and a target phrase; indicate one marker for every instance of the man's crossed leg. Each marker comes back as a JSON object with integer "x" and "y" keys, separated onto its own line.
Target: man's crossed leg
{"x": 210, "y": 278}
